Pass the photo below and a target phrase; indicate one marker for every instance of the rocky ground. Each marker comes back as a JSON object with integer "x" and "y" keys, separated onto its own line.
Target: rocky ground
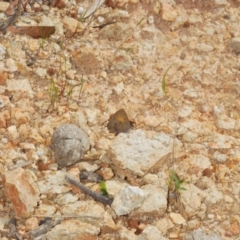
{"x": 121, "y": 57}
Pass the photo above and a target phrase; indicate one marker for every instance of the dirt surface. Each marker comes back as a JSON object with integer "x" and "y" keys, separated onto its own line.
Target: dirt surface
{"x": 119, "y": 58}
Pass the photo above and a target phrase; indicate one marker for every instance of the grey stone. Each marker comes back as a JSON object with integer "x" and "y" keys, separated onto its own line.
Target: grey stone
{"x": 69, "y": 144}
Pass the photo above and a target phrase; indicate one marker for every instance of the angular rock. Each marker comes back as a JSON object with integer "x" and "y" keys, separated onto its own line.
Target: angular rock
{"x": 200, "y": 235}
{"x": 151, "y": 233}
{"x": 45, "y": 210}
{"x": 213, "y": 195}
{"x": 31, "y": 223}
{"x": 46, "y": 21}
{"x": 128, "y": 199}
{"x": 41, "y": 72}
{"x": 69, "y": 144}
{"x": 113, "y": 186}
{"x": 126, "y": 234}
{"x": 92, "y": 115}
{"x": 53, "y": 183}
{"x": 15, "y": 51}
{"x": 70, "y": 24}
{"x": 220, "y": 157}
{"x": 19, "y": 85}
{"x": 80, "y": 119}
{"x": 65, "y": 199}
{"x": 199, "y": 160}
{"x": 192, "y": 199}
{"x": 185, "y": 111}
{"x": 137, "y": 152}
{"x": 191, "y": 93}
{"x": 2, "y": 51}
{"x": 19, "y": 116}
{"x": 164, "y": 224}
{"x": 194, "y": 223}
{"x": 88, "y": 208}
{"x": 11, "y": 65}
{"x": 12, "y": 133}
{"x": 177, "y": 218}
{"x": 225, "y": 122}
{"x": 87, "y": 166}
{"x": 107, "y": 173}
{"x": 190, "y": 136}
{"x": 21, "y": 190}
{"x": 91, "y": 210}
{"x": 168, "y": 12}
{"x": 122, "y": 62}
{"x": 154, "y": 205}
{"x": 73, "y": 229}
{"x": 203, "y": 47}
{"x": 221, "y": 141}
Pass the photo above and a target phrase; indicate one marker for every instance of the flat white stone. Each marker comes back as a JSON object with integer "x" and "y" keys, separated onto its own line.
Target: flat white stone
{"x": 2, "y": 52}
{"x": 185, "y": 111}
{"x": 220, "y": 157}
{"x": 155, "y": 204}
{"x": 200, "y": 161}
{"x": 19, "y": 85}
{"x": 73, "y": 229}
{"x": 192, "y": 199}
{"x": 213, "y": 195}
{"x": 128, "y": 199}
{"x": 225, "y": 122}
{"x": 138, "y": 151}
{"x": 177, "y": 218}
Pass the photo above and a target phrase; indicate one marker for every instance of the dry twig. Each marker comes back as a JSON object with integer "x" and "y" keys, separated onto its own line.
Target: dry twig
{"x": 87, "y": 191}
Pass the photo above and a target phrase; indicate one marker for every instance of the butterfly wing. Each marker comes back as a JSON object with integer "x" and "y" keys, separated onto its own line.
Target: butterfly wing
{"x": 119, "y": 122}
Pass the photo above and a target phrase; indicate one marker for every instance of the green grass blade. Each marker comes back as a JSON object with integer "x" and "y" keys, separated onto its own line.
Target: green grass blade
{"x": 103, "y": 188}
{"x": 164, "y": 81}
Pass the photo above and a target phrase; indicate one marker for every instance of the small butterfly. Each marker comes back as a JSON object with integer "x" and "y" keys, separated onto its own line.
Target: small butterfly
{"x": 119, "y": 122}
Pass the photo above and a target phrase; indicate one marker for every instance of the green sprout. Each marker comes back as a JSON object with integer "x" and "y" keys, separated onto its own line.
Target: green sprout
{"x": 43, "y": 40}
{"x": 103, "y": 188}
{"x": 69, "y": 90}
{"x": 175, "y": 183}
{"x": 164, "y": 81}
{"x": 53, "y": 91}
{"x": 81, "y": 87}
{"x": 45, "y": 33}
